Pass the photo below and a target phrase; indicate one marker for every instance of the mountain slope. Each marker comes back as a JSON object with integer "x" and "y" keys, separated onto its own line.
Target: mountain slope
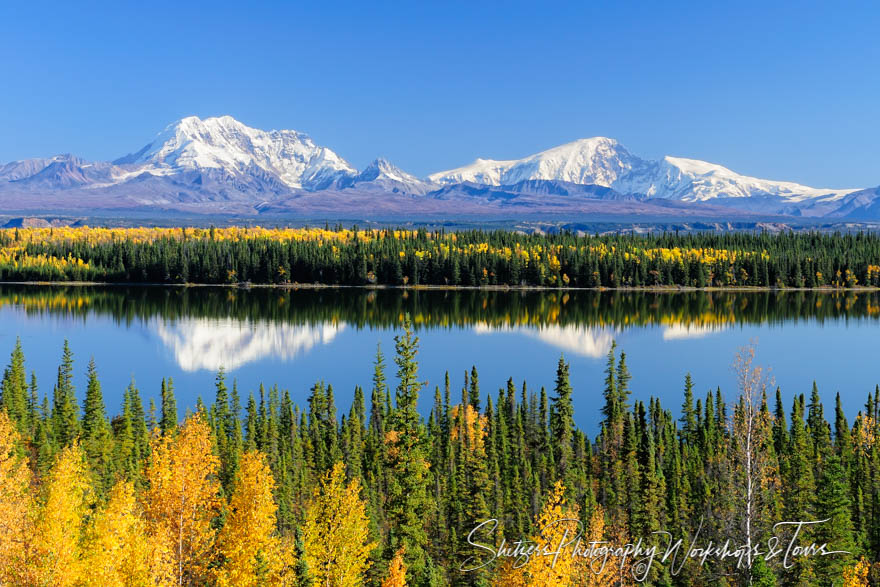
{"x": 607, "y": 163}
{"x": 599, "y": 161}
{"x": 221, "y": 166}
{"x": 226, "y": 144}
{"x": 382, "y": 175}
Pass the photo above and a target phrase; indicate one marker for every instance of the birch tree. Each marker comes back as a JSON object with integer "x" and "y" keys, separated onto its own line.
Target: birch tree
{"x": 751, "y": 436}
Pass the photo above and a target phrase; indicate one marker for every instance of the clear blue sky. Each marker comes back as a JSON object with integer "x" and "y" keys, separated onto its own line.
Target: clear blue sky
{"x": 787, "y": 90}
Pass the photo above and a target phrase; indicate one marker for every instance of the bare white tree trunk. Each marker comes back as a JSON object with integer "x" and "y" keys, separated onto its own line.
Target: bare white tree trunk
{"x": 752, "y": 384}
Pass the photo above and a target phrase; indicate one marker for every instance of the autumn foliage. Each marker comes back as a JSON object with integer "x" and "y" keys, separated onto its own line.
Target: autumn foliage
{"x": 252, "y": 552}
{"x": 16, "y": 503}
{"x": 396, "y": 571}
{"x": 271, "y": 494}
{"x": 183, "y": 499}
{"x": 336, "y": 532}
{"x": 420, "y": 257}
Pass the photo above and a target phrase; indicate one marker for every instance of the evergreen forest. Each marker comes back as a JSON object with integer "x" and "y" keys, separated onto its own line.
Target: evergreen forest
{"x": 250, "y": 488}
{"x": 472, "y": 258}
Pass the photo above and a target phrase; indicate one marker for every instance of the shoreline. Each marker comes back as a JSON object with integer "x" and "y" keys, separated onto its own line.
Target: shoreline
{"x": 512, "y": 288}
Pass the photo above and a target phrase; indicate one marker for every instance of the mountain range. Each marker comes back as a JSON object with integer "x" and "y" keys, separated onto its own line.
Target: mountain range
{"x": 219, "y": 166}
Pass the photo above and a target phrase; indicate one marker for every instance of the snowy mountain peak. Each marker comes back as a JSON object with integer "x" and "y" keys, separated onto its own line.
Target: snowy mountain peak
{"x": 605, "y": 162}
{"x": 384, "y": 169}
{"x": 224, "y": 143}
{"x": 382, "y": 175}
{"x": 597, "y": 160}
{"x": 220, "y": 164}
{"x": 694, "y": 180}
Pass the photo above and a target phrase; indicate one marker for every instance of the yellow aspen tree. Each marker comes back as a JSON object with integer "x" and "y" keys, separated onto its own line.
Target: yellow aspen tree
{"x": 336, "y": 530}
{"x": 557, "y": 524}
{"x": 118, "y": 551}
{"x": 253, "y": 552}
{"x": 857, "y": 575}
{"x": 15, "y": 504}
{"x": 182, "y": 499}
{"x": 554, "y": 522}
{"x": 56, "y": 556}
{"x": 471, "y": 427}
{"x": 396, "y": 571}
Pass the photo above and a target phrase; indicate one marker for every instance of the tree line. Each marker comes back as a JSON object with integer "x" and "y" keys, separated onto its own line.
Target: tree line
{"x": 260, "y": 490}
{"x": 419, "y": 257}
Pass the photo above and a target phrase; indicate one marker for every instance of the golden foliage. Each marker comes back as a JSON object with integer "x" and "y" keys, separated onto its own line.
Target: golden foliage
{"x": 336, "y": 532}
{"x": 436, "y": 246}
{"x": 857, "y": 575}
{"x": 56, "y": 556}
{"x": 471, "y": 429}
{"x": 557, "y": 524}
{"x": 396, "y": 571}
{"x": 253, "y": 552}
{"x": 15, "y": 503}
{"x": 183, "y": 499}
{"x": 118, "y": 550}
{"x": 864, "y": 433}
{"x": 392, "y": 438}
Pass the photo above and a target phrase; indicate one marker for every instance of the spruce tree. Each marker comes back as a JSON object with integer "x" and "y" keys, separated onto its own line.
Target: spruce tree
{"x": 168, "y": 421}
{"x": 799, "y": 486}
{"x": 688, "y": 420}
{"x": 474, "y": 391}
{"x": 833, "y": 505}
{"x": 406, "y": 460}
{"x": 562, "y": 425}
{"x": 14, "y": 389}
{"x": 65, "y": 423}
{"x": 97, "y": 438}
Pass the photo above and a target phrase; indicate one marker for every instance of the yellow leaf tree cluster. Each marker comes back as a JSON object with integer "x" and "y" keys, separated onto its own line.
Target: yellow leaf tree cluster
{"x": 254, "y": 554}
{"x": 120, "y": 552}
{"x": 396, "y": 571}
{"x": 183, "y": 499}
{"x": 558, "y": 525}
{"x": 15, "y": 503}
{"x": 336, "y": 532}
{"x": 56, "y": 556}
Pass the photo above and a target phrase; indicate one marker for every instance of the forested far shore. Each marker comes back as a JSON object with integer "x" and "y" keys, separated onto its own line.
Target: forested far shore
{"x": 258, "y": 490}
{"x": 471, "y": 258}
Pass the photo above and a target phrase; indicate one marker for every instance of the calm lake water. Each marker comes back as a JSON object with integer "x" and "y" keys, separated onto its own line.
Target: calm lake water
{"x": 295, "y": 338}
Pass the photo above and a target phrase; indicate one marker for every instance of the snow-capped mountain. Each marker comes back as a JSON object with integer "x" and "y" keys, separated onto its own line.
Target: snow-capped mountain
{"x": 222, "y": 166}
{"x": 226, "y": 144}
{"x": 605, "y": 162}
{"x": 61, "y": 171}
{"x": 598, "y": 161}
{"x": 382, "y": 175}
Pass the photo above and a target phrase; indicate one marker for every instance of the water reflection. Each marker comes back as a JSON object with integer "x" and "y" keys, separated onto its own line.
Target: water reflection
{"x": 297, "y": 337}
{"x": 685, "y": 331}
{"x": 431, "y": 308}
{"x": 578, "y": 340}
{"x": 202, "y": 343}
{"x": 206, "y": 327}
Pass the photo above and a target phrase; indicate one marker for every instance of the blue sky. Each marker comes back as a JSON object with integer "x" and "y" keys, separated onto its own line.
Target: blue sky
{"x": 777, "y": 90}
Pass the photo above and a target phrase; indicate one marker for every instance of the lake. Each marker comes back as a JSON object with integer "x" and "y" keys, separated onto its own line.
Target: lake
{"x": 297, "y": 337}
